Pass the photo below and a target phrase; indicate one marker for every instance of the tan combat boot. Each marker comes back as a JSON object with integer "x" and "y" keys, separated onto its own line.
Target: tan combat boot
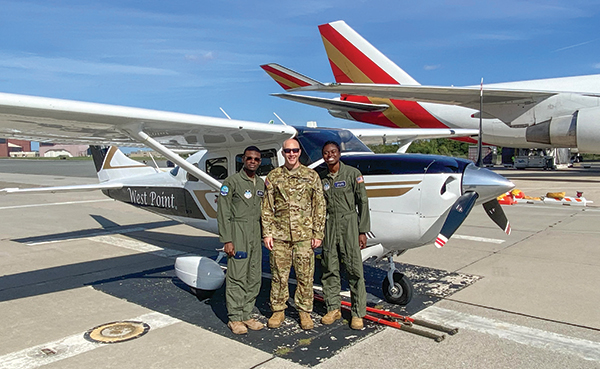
{"x": 253, "y": 324}
{"x": 306, "y": 321}
{"x": 356, "y": 323}
{"x": 276, "y": 319}
{"x": 331, "y": 317}
{"x": 237, "y": 327}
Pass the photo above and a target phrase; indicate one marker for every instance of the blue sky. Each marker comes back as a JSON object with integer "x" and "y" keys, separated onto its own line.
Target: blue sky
{"x": 197, "y": 56}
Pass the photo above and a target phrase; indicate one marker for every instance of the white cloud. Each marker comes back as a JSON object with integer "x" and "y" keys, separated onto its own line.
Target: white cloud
{"x": 73, "y": 66}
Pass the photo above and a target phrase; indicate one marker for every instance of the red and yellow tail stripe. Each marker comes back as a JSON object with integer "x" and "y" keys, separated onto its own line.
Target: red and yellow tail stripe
{"x": 285, "y": 79}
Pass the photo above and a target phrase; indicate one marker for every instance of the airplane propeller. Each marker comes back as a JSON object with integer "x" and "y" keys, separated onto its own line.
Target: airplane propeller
{"x": 478, "y": 184}
{"x": 458, "y": 213}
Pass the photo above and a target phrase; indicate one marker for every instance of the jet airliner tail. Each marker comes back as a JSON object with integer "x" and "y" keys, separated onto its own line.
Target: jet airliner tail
{"x": 354, "y": 60}
{"x": 287, "y": 78}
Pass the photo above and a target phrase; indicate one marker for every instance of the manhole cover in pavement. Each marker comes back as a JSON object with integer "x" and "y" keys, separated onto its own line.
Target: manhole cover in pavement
{"x": 117, "y": 332}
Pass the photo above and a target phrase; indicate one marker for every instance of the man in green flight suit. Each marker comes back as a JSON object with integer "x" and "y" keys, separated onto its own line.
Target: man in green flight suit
{"x": 345, "y": 235}
{"x": 238, "y": 216}
{"x": 293, "y": 218}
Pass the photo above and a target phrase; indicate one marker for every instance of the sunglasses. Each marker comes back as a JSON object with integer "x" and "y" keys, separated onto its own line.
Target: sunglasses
{"x": 294, "y": 150}
{"x": 250, "y": 158}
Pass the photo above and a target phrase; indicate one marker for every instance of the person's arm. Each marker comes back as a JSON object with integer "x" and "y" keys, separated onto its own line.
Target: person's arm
{"x": 364, "y": 215}
{"x": 268, "y": 214}
{"x": 318, "y": 212}
{"x": 224, "y": 203}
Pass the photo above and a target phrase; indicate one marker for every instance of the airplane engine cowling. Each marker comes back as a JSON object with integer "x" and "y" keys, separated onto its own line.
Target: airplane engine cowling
{"x": 576, "y": 130}
{"x": 588, "y": 134}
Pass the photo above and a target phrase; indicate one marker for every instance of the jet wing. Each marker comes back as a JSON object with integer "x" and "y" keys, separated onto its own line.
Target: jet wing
{"x": 504, "y": 104}
{"x": 333, "y": 104}
{"x": 405, "y": 136}
{"x": 65, "y": 121}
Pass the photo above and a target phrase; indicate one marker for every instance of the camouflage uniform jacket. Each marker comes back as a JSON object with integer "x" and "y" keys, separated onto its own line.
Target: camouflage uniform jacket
{"x": 293, "y": 208}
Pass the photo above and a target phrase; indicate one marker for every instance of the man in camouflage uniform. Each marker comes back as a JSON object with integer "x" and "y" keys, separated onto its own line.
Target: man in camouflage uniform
{"x": 238, "y": 216}
{"x": 345, "y": 235}
{"x": 293, "y": 218}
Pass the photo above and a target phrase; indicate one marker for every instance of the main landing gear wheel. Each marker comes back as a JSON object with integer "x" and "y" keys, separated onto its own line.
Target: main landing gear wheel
{"x": 401, "y": 292}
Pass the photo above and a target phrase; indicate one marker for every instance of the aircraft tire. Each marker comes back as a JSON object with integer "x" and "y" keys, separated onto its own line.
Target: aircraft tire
{"x": 202, "y": 294}
{"x": 404, "y": 289}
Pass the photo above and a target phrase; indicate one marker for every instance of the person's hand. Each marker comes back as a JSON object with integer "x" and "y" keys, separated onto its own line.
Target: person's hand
{"x": 229, "y": 249}
{"x": 362, "y": 240}
{"x": 268, "y": 243}
{"x": 314, "y": 243}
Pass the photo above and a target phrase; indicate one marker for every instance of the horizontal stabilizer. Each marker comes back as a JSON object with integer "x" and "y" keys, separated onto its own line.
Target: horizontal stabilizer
{"x": 333, "y": 104}
{"x": 76, "y": 188}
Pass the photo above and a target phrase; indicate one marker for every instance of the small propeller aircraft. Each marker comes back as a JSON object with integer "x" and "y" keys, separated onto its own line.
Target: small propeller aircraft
{"x": 414, "y": 200}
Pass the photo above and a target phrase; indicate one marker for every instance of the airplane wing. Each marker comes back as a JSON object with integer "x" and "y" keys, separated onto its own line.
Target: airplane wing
{"x": 65, "y": 121}
{"x": 504, "y": 104}
{"x": 53, "y": 120}
{"x": 407, "y": 135}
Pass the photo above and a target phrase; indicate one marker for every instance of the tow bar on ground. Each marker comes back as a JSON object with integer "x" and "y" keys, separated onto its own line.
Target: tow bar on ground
{"x": 402, "y": 322}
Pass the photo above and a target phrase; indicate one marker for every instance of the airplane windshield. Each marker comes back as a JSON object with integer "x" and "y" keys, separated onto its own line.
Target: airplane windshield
{"x": 312, "y": 140}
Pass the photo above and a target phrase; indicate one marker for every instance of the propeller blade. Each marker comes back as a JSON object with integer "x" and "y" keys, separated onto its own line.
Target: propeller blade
{"x": 495, "y": 212}
{"x": 459, "y": 212}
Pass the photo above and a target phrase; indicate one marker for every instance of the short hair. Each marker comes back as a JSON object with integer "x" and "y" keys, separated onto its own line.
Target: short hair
{"x": 331, "y": 143}
{"x": 251, "y": 148}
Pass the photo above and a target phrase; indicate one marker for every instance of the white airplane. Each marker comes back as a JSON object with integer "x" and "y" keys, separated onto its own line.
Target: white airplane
{"x": 558, "y": 112}
{"x": 414, "y": 199}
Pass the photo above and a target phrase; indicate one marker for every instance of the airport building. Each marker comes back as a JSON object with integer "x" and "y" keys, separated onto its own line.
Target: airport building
{"x": 8, "y": 146}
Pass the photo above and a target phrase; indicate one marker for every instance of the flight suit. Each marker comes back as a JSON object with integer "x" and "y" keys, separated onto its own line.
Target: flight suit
{"x": 238, "y": 216}
{"x": 344, "y": 193}
{"x": 293, "y": 213}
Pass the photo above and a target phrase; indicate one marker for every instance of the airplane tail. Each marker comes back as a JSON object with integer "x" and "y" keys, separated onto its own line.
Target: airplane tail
{"x": 287, "y": 78}
{"x": 354, "y": 60}
{"x": 112, "y": 164}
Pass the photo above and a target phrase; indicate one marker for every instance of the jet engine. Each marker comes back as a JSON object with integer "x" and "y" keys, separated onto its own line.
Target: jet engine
{"x": 579, "y": 130}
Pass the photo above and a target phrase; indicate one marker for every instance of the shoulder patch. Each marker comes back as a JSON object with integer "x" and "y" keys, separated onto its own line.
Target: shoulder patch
{"x": 360, "y": 179}
{"x": 224, "y": 190}
{"x": 266, "y": 181}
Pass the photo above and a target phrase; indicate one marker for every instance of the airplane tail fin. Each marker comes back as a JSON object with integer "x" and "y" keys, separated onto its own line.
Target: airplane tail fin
{"x": 287, "y": 78}
{"x": 112, "y": 164}
{"x": 354, "y": 60}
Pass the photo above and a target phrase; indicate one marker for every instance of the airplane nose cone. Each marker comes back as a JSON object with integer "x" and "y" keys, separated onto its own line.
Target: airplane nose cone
{"x": 486, "y": 183}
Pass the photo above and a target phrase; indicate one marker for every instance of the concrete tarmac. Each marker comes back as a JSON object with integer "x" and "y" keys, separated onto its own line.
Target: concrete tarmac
{"x": 534, "y": 306}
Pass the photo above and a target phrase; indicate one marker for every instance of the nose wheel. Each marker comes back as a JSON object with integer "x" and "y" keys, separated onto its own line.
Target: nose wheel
{"x": 396, "y": 287}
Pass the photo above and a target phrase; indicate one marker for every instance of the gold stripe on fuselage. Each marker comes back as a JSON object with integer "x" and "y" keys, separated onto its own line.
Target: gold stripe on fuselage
{"x": 389, "y": 192}
{"x": 208, "y": 209}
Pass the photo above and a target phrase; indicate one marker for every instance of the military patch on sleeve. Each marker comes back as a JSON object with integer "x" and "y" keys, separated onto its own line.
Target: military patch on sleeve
{"x": 360, "y": 179}
{"x": 224, "y": 190}
{"x": 266, "y": 181}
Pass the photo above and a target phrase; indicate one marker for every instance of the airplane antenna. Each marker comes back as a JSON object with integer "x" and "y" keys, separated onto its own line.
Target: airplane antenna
{"x": 281, "y": 120}
{"x": 152, "y": 157}
{"x": 227, "y": 115}
{"x": 479, "y": 144}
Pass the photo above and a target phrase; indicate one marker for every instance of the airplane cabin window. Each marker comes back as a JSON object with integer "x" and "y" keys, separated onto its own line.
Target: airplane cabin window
{"x": 268, "y": 162}
{"x": 217, "y": 167}
{"x": 174, "y": 171}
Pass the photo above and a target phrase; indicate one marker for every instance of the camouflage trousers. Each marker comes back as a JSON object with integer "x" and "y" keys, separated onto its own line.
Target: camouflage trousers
{"x": 283, "y": 256}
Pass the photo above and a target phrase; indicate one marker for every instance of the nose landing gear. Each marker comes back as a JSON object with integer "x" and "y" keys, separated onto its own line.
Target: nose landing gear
{"x": 396, "y": 287}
